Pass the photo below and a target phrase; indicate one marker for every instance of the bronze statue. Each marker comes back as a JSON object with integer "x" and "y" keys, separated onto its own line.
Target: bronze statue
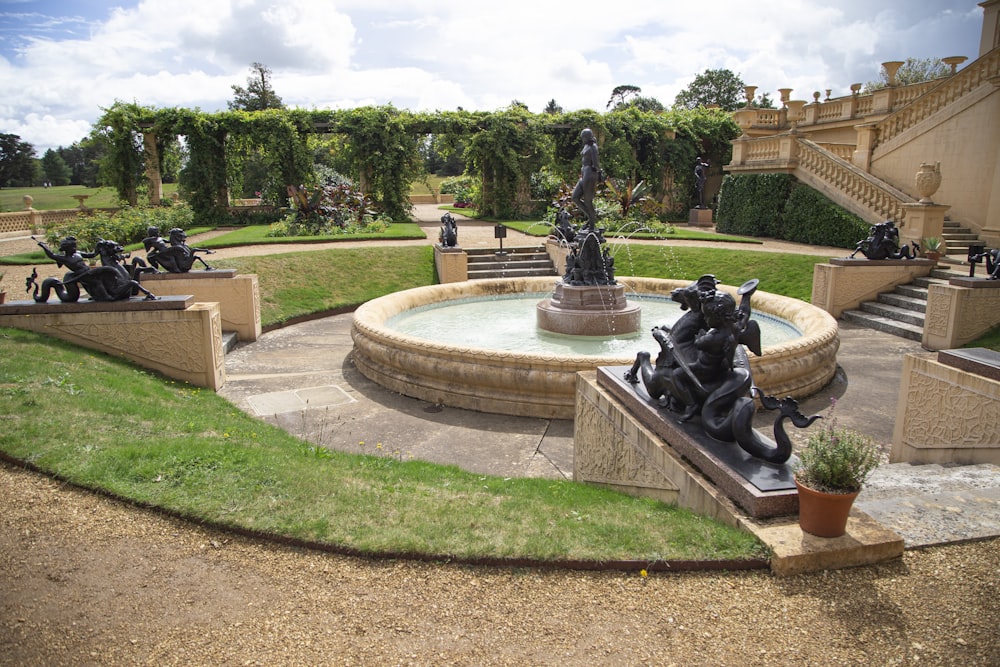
{"x": 590, "y": 176}
{"x": 700, "y": 177}
{"x": 703, "y": 371}
{"x": 883, "y": 243}
{"x": 178, "y": 257}
{"x": 449, "y": 231}
{"x": 992, "y": 257}
{"x": 109, "y": 282}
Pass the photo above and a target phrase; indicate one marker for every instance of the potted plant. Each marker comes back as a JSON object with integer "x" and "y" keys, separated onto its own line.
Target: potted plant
{"x": 933, "y": 248}
{"x": 832, "y": 468}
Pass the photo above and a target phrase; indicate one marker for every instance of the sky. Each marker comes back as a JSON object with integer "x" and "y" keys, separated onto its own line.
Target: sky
{"x": 63, "y": 61}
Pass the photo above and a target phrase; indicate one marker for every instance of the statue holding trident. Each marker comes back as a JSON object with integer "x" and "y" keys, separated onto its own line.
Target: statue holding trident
{"x": 590, "y": 176}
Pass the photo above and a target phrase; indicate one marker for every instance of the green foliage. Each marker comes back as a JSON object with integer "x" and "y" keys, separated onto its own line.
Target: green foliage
{"x": 462, "y": 187}
{"x": 17, "y": 161}
{"x": 751, "y": 205}
{"x": 777, "y": 206}
{"x": 837, "y": 460}
{"x": 123, "y": 164}
{"x": 128, "y": 225}
{"x": 335, "y": 208}
{"x": 506, "y": 150}
{"x": 258, "y": 95}
{"x": 809, "y": 217}
{"x": 56, "y": 170}
{"x": 713, "y": 87}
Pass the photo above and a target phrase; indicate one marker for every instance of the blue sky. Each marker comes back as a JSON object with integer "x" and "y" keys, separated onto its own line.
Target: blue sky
{"x": 62, "y": 62}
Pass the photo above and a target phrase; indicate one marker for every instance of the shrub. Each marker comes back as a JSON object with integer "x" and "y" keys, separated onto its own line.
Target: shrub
{"x": 463, "y": 187}
{"x": 837, "y": 460}
{"x": 809, "y": 217}
{"x": 751, "y": 204}
{"x": 126, "y": 225}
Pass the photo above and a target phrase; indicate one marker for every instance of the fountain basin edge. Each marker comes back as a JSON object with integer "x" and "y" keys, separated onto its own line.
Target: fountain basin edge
{"x": 542, "y": 385}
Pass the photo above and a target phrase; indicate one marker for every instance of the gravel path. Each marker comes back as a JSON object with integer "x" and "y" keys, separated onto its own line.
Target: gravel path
{"x": 90, "y": 581}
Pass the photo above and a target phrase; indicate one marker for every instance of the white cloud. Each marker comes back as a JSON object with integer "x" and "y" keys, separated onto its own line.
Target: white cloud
{"x": 442, "y": 54}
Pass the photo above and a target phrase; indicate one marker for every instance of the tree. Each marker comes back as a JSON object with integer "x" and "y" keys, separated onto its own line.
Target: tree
{"x": 643, "y": 103}
{"x": 913, "y": 70}
{"x": 56, "y": 171}
{"x": 552, "y": 107}
{"x": 258, "y": 95}
{"x": 714, "y": 86}
{"x": 621, "y": 93}
{"x": 83, "y": 159}
{"x": 17, "y": 161}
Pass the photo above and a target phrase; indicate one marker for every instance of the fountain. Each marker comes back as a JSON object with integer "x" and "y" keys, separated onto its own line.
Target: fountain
{"x": 542, "y": 383}
{"x": 587, "y": 302}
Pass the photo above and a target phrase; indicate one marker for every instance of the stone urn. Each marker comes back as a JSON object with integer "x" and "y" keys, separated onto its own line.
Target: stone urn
{"x": 928, "y": 180}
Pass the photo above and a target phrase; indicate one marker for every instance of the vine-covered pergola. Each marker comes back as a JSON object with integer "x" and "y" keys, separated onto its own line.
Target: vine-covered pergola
{"x": 381, "y": 143}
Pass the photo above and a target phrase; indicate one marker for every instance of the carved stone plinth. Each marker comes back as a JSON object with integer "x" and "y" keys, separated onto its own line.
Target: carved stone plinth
{"x": 172, "y": 335}
{"x": 238, "y": 296}
{"x": 760, "y": 488}
{"x": 588, "y": 310}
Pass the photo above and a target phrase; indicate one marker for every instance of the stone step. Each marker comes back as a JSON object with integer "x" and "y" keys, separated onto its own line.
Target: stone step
{"x": 884, "y": 324}
{"x": 933, "y": 504}
{"x": 928, "y": 281}
{"x": 510, "y": 273}
{"x": 515, "y": 250}
{"x": 229, "y": 341}
{"x": 905, "y": 301}
{"x": 912, "y": 291}
{"x": 894, "y": 313}
{"x": 499, "y": 265}
{"x": 967, "y": 235}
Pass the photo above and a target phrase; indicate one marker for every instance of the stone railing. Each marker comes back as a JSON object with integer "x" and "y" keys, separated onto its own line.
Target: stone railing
{"x": 34, "y": 221}
{"x": 947, "y": 91}
{"x": 871, "y": 193}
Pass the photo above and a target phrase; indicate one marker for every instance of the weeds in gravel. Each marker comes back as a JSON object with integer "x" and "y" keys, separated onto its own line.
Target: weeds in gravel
{"x": 102, "y": 423}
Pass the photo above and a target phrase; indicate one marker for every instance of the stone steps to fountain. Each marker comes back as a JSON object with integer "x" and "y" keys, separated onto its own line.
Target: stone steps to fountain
{"x": 511, "y": 263}
{"x": 900, "y": 312}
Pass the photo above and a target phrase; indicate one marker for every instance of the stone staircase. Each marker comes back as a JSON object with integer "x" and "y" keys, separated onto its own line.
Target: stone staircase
{"x": 933, "y": 504}
{"x": 900, "y": 312}
{"x": 957, "y": 240}
{"x": 512, "y": 263}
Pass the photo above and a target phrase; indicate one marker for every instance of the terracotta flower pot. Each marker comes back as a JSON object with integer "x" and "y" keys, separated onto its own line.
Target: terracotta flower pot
{"x": 824, "y": 514}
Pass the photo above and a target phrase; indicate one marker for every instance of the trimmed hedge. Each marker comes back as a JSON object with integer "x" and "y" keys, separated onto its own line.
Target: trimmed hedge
{"x": 778, "y": 206}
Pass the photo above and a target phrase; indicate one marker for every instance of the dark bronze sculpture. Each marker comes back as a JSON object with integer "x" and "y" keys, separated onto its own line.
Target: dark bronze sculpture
{"x": 564, "y": 229}
{"x": 703, "y": 371}
{"x": 883, "y": 243}
{"x": 700, "y": 177}
{"x": 109, "y": 282}
{"x": 992, "y": 256}
{"x": 590, "y": 176}
{"x": 449, "y": 231}
{"x": 177, "y": 257}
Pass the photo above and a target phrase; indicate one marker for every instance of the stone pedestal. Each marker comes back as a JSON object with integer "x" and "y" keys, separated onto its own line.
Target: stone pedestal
{"x": 844, "y": 283}
{"x": 172, "y": 335}
{"x": 238, "y": 296}
{"x": 922, "y": 221}
{"x": 452, "y": 264}
{"x": 700, "y": 217}
{"x": 967, "y": 431}
{"x": 588, "y": 310}
{"x": 959, "y": 312}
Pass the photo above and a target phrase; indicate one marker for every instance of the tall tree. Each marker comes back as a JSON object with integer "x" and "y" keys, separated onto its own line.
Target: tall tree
{"x": 258, "y": 95}
{"x": 17, "y": 161}
{"x": 57, "y": 172}
{"x": 622, "y": 93}
{"x": 552, "y": 107}
{"x": 714, "y": 86}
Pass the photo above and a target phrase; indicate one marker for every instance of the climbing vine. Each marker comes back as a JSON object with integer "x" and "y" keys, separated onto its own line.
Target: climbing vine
{"x": 378, "y": 147}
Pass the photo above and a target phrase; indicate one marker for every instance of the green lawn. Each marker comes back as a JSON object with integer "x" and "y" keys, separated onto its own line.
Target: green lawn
{"x": 60, "y": 197}
{"x": 187, "y": 450}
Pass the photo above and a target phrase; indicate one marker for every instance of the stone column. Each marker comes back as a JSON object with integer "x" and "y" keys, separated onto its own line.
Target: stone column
{"x": 152, "y": 168}
{"x": 862, "y": 157}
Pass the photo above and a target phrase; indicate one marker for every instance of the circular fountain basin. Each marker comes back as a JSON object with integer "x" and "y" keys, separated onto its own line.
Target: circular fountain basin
{"x": 543, "y": 384}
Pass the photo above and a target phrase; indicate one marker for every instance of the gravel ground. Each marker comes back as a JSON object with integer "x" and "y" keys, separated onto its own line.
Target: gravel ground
{"x": 85, "y": 580}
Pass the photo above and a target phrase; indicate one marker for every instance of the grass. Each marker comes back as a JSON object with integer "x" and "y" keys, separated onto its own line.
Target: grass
{"x": 303, "y": 283}
{"x": 191, "y": 452}
{"x": 257, "y": 235}
{"x": 61, "y": 197}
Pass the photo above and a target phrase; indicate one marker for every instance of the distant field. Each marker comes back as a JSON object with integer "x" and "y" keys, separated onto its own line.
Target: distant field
{"x": 48, "y": 199}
